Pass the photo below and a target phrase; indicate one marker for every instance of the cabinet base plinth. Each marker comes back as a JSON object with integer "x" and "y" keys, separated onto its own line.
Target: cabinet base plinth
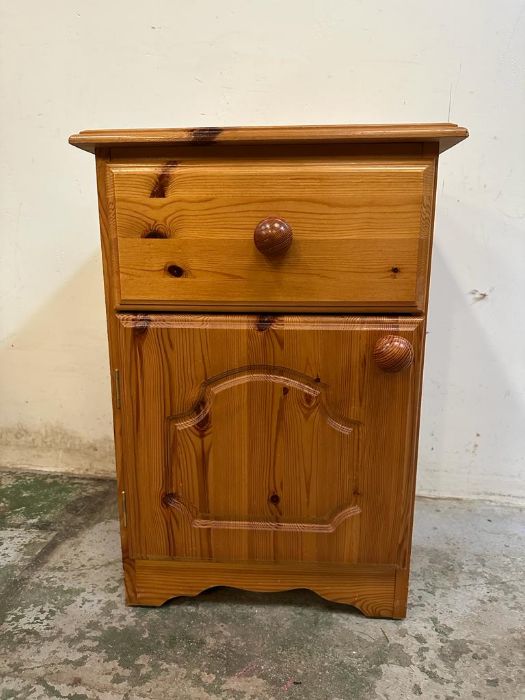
{"x": 370, "y": 588}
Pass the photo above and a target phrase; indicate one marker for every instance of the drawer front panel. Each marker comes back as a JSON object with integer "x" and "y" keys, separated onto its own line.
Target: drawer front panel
{"x": 269, "y": 439}
{"x": 361, "y": 233}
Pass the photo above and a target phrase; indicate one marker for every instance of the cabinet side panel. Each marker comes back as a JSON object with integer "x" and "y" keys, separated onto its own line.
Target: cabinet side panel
{"x": 109, "y": 255}
{"x": 409, "y": 482}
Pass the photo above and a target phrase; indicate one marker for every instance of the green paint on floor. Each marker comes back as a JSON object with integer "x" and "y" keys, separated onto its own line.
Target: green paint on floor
{"x": 37, "y": 501}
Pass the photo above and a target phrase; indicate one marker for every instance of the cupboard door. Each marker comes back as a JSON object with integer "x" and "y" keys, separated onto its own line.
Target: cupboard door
{"x": 269, "y": 438}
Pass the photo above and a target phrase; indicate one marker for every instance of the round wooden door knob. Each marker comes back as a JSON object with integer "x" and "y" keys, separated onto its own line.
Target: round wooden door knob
{"x": 393, "y": 353}
{"x": 273, "y": 236}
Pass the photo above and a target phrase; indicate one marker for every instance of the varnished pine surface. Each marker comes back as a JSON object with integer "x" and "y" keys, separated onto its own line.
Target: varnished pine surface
{"x": 367, "y": 587}
{"x": 445, "y": 134}
{"x": 250, "y": 438}
{"x": 111, "y": 292}
{"x": 361, "y": 232}
{"x": 292, "y": 508}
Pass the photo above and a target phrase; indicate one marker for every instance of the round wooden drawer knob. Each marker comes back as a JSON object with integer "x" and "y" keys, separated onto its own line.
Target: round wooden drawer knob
{"x": 393, "y": 353}
{"x": 273, "y": 236}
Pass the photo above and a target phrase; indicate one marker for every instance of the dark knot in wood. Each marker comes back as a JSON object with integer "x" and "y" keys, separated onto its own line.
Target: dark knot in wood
{"x": 264, "y": 322}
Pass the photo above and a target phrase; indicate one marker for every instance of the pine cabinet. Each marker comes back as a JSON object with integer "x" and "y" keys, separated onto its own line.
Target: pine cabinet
{"x": 266, "y": 293}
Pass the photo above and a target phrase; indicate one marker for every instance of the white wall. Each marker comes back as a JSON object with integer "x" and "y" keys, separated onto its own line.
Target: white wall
{"x": 69, "y": 65}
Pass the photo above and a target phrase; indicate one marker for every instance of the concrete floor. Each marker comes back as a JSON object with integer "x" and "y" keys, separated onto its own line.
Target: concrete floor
{"x": 66, "y": 633}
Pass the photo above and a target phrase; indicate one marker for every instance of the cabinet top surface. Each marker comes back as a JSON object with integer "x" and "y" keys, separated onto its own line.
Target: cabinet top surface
{"x": 445, "y": 134}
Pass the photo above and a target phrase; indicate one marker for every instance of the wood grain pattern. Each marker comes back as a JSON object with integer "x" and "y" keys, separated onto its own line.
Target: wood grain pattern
{"x": 359, "y": 238}
{"x": 393, "y": 354}
{"x": 256, "y": 441}
{"x": 314, "y": 391}
{"x": 332, "y": 521}
{"x": 267, "y": 452}
{"x": 443, "y": 133}
{"x": 111, "y": 292}
{"x": 298, "y": 397}
{"x": 367, "y": 587}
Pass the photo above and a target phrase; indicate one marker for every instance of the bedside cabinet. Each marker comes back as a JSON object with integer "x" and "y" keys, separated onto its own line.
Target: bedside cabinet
{"x": 266, "y": 293}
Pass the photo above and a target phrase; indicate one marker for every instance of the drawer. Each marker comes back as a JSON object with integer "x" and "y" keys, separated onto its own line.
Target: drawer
{"x": 358, "y": 228}
{"x": 277, "y": 439}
